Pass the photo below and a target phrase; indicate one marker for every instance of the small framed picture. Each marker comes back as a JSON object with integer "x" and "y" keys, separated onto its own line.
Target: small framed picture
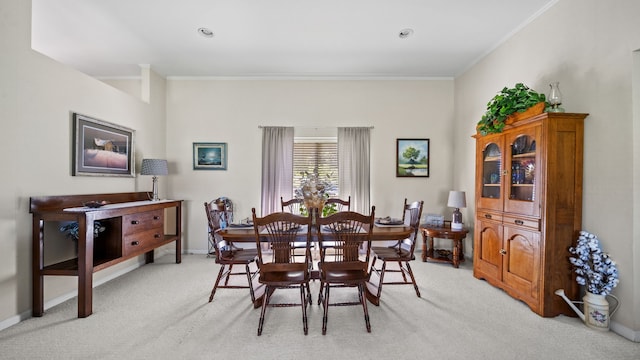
{"x": 101, "y": 148}
{"x": 412, "y": 158}
{"x": 209, "y": 156}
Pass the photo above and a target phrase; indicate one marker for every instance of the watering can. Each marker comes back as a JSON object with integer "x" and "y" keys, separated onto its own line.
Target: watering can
{"x": 596, "y": 309}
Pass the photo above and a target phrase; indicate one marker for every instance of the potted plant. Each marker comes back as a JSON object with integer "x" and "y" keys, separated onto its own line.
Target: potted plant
{"x": 596, "y": 271}
{"x": 507, "y": 102}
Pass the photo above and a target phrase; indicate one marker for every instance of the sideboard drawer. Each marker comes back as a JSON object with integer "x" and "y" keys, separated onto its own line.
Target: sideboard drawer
{"x": 142, "y": 241}
{"x": 135, "y": 223}
{"x": 533, "y": 224}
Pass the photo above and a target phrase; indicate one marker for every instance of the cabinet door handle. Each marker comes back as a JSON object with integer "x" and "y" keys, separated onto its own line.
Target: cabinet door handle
{"x": 488, "y": 216}
{"x": 519, "y": 222}
{"x": 157, "y": 236}
{"x": 503, "y": 252}
{"x": 135, "y": 222}
{"x": 135, "y": 243}
{"x": 156, "y": 217}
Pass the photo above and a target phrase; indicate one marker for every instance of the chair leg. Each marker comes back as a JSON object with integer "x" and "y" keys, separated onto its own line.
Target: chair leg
{"x": 303, "y": 304}
{"x": 320, "y": 296}
{"x": 364, "y": 306}
{"x": 250, "y": 279}
{"x": 308, "y": 294}
{"x": 226, "y": 281}
{"x": 215, "y": 286}
{"x": 413, "y": 279}
{"x": 265, "y": 303}
{"x": 326, "y": 308}
{"x": 404, "y": 276}
{"x": 381, "y": 276}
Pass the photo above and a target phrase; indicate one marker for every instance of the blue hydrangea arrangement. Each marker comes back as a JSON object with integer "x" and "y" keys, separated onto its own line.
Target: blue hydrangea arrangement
{"x": 592, "y": 266}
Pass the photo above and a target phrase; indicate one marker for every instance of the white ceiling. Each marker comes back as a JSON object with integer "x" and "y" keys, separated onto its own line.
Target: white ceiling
{"x": 276, "y": 38}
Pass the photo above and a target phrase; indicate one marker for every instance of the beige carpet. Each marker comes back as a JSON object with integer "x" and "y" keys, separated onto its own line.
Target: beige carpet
{"x": 160, "y": 311}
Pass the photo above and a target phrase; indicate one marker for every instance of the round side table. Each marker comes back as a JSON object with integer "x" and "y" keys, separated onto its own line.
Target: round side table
{"x": 429, "y": 253}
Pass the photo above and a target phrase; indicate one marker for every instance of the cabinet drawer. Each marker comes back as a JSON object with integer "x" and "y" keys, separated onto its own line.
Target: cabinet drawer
{"x": 489, "y": 216}
{"x": 533, "y": 224}
{"x": 134, "y": 223}
{"x": 142, "y": 241}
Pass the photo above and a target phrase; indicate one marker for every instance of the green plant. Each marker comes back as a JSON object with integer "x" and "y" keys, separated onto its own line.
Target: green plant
{"x": 508, "y": 101}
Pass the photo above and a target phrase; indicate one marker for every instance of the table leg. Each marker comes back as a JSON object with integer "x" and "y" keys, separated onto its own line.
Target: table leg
{"x": 456, "y": 253}
{"x": 36, "y": 268}
{"x": 424, "y": 247}
{"x": 85, "y": 267}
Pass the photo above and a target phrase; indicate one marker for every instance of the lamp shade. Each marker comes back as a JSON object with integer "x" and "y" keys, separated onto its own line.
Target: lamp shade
{"x": 154, "y": 167}
{"x": 457, "y": 199}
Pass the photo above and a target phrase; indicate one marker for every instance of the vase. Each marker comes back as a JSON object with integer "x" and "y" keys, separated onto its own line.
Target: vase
{"x": 596, "y": 311}
{"x": 555, "y": 98}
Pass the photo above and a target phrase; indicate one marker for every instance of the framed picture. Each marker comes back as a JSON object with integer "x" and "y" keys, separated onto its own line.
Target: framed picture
{"x": 210, "y": 156}
{"x": 101, "y": 148}
{"x": 412, "y": 158}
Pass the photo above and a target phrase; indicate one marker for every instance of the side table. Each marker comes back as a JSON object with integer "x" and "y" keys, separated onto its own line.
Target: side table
{"x": 430, "y": 232}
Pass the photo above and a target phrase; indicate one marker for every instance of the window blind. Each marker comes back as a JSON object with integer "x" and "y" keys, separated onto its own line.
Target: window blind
{"x": 308, "y": 156}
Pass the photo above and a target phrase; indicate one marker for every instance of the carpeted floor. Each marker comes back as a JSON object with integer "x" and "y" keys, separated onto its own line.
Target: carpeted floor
{"x": 160, "y": 311}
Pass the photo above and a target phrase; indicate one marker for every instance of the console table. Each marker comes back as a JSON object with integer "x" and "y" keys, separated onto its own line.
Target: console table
{"x": 134, "y": 226}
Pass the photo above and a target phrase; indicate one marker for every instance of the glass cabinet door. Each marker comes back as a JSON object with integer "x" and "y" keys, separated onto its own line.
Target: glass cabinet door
{"x": 522, "y": 162}
{"x": 490, "y": 172}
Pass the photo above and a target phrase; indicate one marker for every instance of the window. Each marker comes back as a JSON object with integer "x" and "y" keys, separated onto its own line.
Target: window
{"x": 310, "y": 154}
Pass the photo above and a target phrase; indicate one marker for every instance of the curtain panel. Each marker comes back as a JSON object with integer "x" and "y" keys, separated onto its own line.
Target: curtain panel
{"x": 277, "y": 167}
{"x": 354, "y": 166}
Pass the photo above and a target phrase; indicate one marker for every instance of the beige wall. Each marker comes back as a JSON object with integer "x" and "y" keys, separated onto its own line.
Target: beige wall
{"x": 37, "y": 96}
{"x": 231, "y": 111}
{"x": 587, "y": 46}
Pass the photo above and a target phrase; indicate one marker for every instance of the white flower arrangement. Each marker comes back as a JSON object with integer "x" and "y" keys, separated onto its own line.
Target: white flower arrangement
{"x": 592, "y": 266}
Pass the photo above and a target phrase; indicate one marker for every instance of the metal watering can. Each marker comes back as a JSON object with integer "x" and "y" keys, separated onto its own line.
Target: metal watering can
{"x": 596, "y": 309}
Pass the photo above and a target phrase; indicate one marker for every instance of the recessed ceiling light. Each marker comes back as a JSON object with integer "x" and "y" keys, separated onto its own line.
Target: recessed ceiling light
{"x": 405, "y": 33}
{"x": 205, "y": 32}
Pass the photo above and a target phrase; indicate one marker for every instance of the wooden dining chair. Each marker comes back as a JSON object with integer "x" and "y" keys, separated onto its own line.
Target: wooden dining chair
{"x": 279, "y": 269}
{"x": 227, "y": 255}
{"x": 291, "y": 206}
{"x": 343, "y": 264}
{"x": 334, "y": 205}
{"x": 402, "y": 252}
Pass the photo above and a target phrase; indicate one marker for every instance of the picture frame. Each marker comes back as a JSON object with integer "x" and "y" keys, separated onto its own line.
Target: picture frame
{"x": 101, "y": 148}
{"x": 209, "y": 156}
{"x": 412, "y": 157}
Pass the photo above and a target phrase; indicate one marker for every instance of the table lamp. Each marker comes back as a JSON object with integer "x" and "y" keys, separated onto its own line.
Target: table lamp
{"x": 457, "y": 200}
{"x": 154, "y": 167}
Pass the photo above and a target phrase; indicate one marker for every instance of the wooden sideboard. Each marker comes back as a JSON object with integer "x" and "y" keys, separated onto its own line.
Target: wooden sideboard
{"x": 134, "y": 226}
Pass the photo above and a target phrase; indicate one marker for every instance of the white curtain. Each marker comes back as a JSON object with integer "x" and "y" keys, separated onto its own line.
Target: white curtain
{"x": 353, "y": 167}
{"x": 277, "y": 167}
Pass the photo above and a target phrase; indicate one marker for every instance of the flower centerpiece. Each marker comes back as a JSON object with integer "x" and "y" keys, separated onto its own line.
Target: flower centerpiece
{"x": 314, "y": 190}
{"x": 593, "y": 267}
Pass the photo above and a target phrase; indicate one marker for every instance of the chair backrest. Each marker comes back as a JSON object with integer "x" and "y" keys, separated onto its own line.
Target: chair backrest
{"x": 414, "y": 213}
{"x": 280, "y": 231}
{"x": 291, "y": 206}
{"x": 213, "y": 219}
{"x": 333, "y": 205}
{"x": 348, "y": 233}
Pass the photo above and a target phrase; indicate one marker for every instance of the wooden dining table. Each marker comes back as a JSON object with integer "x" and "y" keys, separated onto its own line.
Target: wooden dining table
{"x": 379, "y": 233}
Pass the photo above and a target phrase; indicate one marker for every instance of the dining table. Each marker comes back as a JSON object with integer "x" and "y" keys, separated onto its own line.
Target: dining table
{"x": 246, "y": 234}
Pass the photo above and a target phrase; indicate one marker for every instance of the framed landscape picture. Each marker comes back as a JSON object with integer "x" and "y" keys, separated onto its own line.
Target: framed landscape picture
{"x": 210, "y": 156}
{"x": 101, "y": 148}
{"x": 412, "y": 157}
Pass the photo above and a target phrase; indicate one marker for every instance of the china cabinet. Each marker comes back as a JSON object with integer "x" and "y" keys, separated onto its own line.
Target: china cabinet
{"x": 529, "y": 208}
